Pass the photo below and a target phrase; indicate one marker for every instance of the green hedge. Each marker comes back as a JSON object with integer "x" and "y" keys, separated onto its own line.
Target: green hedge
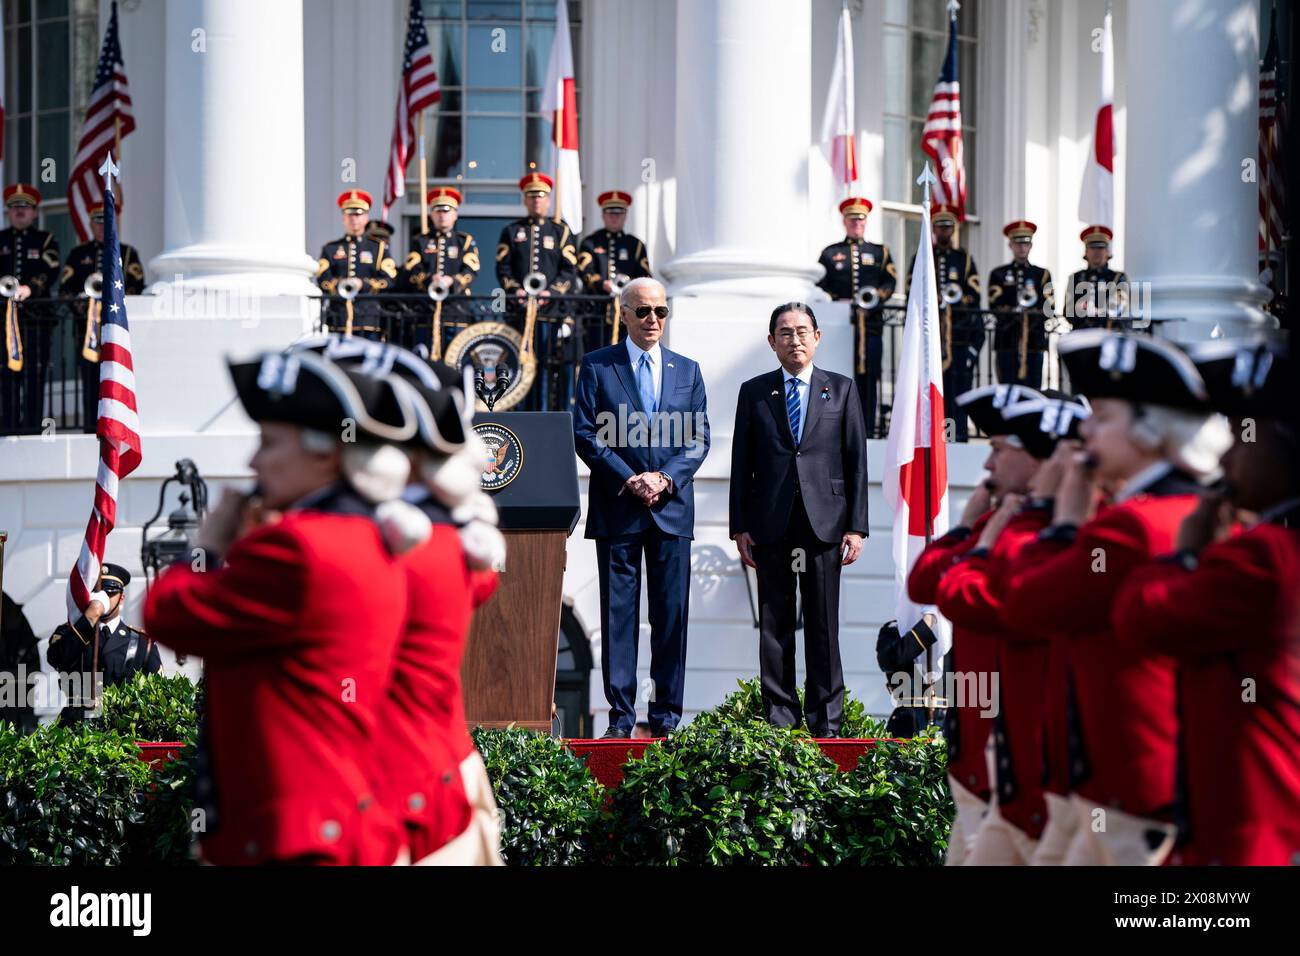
{"x": 151, "y": 707}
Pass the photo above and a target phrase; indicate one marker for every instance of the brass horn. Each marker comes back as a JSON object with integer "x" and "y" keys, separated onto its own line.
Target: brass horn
{"x": 438, "y": 292}
{"x": 951, "y": 293}
{"x": 535, "y": 283}
{"x": 94, "y": 285}
{"x": 618, "y": 283}
{"x": 1026, "y": 296}
{"x": 349, "y": 288}
{"x": 8, "y": 287}
{"x": 868, "y": 297}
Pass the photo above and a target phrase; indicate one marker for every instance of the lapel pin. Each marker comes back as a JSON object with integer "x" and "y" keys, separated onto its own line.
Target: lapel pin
{"x": 826, "y": 394}
{"x": 670, "y": 364}
{"x": 776, "y": 391}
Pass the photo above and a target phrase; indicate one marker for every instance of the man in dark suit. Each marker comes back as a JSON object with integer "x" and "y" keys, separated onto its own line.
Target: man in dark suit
{"x": 799, "y": 513}
{"x": 641, "y": 425}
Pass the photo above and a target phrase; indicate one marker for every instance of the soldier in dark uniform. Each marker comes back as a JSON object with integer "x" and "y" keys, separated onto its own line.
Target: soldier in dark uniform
{"x": 539, "y": 244}
{"x": 1098, "y": 294}
{"x": 123, "y": 650}
{"x": 607, "y": 258}
{"x": 1021, "y": 294}
{"x": 31, "y": 256}
{"x": 962, "y": 325}
{"x": 852, "y": 266}
{"x": 18, "y": 650}
{"x": 82, "y": 262}
{"x": 445, "y": 258}
{"x": 355, "y": 256}
{"x": 915, "y": 708}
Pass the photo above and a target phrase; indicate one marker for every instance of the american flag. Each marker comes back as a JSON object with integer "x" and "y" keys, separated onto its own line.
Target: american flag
{"x": 108, "y": 121}
{"x": 1272, "y": 197}
{"x": 941, "y": 138}
{"x": 416, "y": 93}
{"x": 118, "y": 426}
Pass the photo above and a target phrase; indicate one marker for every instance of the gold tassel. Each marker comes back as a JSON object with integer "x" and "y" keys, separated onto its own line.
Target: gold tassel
{"x": 947, "y": 336}
{"x": 861, "y": 316}
{"x": 530, "y": 323}
{"x": 435, "y": 347}
{"x": 347, "y": 328}
{"x": 617, "y": 308}
{"x": 13, "y": 338}
{"x": 1024, "y": 346}
{"x": 90, "y": 343}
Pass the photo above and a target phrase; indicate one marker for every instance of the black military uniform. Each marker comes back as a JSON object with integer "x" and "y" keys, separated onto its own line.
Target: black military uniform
{"x": 540, "y": 244}
{"x": 896, "y": 655}
{"x": 83, "y": 261}
{"x": 123, "y": 650}
{"x": 603, "y": 256}
{"x": 1096, "y": 297}
{"x": 452, "y": 254}
{"x": 1020, "y": 339}
{"x": 369, "y": 260}
{"x": 961, "y": 324}
{"x": 31, "y": 256}
{"x": 18, "y": 649}
{"x": 853, "y": 265}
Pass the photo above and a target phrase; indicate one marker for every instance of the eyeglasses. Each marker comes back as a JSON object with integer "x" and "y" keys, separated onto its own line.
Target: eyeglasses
{"x": 789, "y": 335}
{"x": 643, "y": 311}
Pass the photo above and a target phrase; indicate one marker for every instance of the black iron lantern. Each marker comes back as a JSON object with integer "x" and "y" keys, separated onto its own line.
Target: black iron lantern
{"x": 174, "y": 544}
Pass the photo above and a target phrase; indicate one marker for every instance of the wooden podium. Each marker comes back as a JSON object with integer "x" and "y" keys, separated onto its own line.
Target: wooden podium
{"x": 509, "y": 667}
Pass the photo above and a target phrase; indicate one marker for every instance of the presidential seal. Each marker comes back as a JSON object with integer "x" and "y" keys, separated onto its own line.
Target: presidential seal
{"x": 504, "y": 459}
{"x": 494, "y": 350}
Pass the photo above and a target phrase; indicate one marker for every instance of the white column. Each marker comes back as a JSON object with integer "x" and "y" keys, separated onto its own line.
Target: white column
{"x": 743, "y": 130}
{"x": 1193, "y": 86}
{"x": 233, "y": 165}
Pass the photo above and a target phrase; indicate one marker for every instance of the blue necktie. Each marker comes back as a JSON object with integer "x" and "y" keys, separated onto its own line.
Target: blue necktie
{"x": 646, "y": 382}
{"x": 792, "y": 408}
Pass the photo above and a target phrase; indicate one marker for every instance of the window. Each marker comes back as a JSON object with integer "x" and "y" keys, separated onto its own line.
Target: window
{"x": 915, "y": 38}
{"x": 488, "y": 129}
{"x": 51, "y": 47}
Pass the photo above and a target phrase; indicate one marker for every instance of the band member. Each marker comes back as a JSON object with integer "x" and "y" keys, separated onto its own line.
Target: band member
{"x": 354, "y": 256}
{"x": 974, "y": 647}
{"x": 970, "y": 595}
{"x": 642, "y": 501}
{"x": 798, "y": 514}
{"x": 1021, "y": 293}
{"x": 1097, "y": 294}
{"x": 543, "y": 248}
{"x": 858, "y": 269}
{"x": 1152, "y": 438}
{"x": 445, "y": 259}
{"x": 1224, "y": 606}
{"x": 31, "y": 256}
{"x": 961, "y": 324}
{"x": 82, "y": 262}
{"x": 298, "y": 619}
{"x": 123, "y": 650}
{"x": 608, "y": 259}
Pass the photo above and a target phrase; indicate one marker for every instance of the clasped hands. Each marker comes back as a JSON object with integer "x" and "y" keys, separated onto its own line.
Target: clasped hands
{"x": 649, "y": 486}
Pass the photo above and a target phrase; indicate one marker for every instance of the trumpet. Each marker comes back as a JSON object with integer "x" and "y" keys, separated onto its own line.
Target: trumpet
{"x": 868, "y": 297}
{"x": 437, "y": 291}
{"x": 94, "y": 285}
{"x": 535, "y": 283}
{"x": 349, "y": 288}
{"x": 1026, "y": 296}
{"x": 951, "y": 293}
{"x": 8, "y": 287}
{"x": 618, "y": 283}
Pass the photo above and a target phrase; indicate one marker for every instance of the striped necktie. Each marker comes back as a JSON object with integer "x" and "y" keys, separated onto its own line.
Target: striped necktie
{"x": 792, "y": 408}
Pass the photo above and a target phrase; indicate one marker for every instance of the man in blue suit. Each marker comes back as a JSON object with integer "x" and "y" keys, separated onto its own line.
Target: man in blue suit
{"x": 641, "y": 425}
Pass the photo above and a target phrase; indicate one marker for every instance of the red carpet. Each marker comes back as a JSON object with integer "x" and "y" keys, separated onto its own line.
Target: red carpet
{"x": 605, "y": 758}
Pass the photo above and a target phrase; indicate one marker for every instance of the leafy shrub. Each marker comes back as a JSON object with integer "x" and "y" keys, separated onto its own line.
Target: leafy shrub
{"x": 72, "y": 795}
{"x": 550, "y": 803}
{"x": 152, "y": 707}
{"x": 724, "y": 791}
{"x": 746, "y": 704}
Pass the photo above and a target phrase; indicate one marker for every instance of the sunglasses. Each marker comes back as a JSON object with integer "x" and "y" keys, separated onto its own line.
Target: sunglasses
{"x": 643, "y": 311}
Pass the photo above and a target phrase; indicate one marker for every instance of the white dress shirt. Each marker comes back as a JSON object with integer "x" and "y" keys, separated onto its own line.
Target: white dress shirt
{"x": 635, "y": 352}
{"x": 804, "y": 379}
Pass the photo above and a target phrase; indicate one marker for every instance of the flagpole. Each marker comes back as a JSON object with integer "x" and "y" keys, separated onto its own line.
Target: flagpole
{"x": 557, "y": 138}
{"x": 926, "y": 177}
{"x": 424, "y": 181}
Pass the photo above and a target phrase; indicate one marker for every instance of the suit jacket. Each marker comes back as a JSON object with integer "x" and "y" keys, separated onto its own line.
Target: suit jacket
{"x": 607, "y": 417}
{"x": 829, "y": 464}
{"x": 298, "y": 631}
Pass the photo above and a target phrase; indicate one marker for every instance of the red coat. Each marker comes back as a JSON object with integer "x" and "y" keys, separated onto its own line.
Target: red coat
{"x": 298, "y": 631}
{"x": 1126, "y": 754}
{"x": 1236, "y": 618}
{"x": 970, "y": 595}
{"x": 417, "y": 758}
{"x": 974, "y": 651}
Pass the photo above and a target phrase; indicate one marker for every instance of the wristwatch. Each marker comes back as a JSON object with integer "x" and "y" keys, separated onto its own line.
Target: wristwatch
{"x": 668, "y": 478}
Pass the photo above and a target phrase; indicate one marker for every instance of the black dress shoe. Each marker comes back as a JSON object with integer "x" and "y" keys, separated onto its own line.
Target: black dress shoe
{"x": 615, "y": 733}
{"x": 661, "y": 731}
